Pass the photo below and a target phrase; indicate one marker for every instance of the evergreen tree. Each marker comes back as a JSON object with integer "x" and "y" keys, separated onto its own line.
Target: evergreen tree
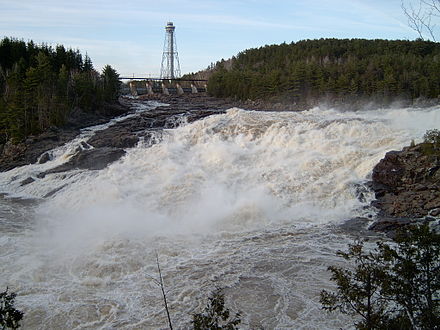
{"x": 216, "y": 316}
{"x": 340, "y": 69}
{"x": 40, "y": 85}
{"x": 392, "y": 287}
{"x": 111, "y": 83}
{"x": 10, "y": 317}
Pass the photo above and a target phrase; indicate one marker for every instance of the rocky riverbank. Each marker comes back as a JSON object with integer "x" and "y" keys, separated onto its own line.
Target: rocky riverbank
{"x": 407, "y": 188}
{"x": 108, "y": 145}
{"x": 28, "y": 151}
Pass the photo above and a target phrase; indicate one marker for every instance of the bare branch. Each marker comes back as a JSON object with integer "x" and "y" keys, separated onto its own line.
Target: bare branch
{"x": 161, "y": 285}
{"x": 420, "y": 17}
{"x": 434, "y": 5}
{"x": 413, "y": 18}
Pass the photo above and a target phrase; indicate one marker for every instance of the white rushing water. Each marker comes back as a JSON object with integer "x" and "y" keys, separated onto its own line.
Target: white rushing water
{"x": 247, "y": 201}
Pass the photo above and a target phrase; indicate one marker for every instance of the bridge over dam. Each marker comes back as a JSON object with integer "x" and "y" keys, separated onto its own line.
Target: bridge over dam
{"x": 140, "y": 86}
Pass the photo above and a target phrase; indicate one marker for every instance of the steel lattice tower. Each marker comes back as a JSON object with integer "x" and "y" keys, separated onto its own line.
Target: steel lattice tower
{"x": 170, "y": 68}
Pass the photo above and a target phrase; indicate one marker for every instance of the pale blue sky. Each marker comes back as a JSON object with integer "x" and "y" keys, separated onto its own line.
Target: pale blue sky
{"x": 129, "y": 34}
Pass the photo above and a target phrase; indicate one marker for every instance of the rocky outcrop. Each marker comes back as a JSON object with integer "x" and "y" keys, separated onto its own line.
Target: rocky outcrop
{"x": 30, "y": 150}
{"x": 407, "y": 187}
{"x": 126, "y": 134}
{"x": 92, "y": 159}
{"x": 108, "y": 145}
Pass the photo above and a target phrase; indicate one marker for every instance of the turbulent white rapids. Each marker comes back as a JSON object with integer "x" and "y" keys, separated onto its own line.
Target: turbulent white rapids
{"x": 248, "y": 201}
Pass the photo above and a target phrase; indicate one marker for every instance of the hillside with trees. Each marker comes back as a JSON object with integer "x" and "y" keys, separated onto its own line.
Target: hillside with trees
{"x": 334, "y": 70}
{"x": 41, "y": 86}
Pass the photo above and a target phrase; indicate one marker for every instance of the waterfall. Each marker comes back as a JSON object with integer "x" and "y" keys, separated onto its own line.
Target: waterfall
{"x": 249, "y": 201}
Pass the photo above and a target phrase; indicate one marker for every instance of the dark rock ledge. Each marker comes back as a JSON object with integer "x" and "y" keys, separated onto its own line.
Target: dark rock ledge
{"x": 407, "y": 189}
{"x": 109, "y": 145}
{"x": 30, "y": 150}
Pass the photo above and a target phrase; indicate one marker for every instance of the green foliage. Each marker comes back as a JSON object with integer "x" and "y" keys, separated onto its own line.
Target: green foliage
{"x": 111, "y": 83}
{"x": 342, "y": 69}
{"x": 395, "y": 286}
{"x": 39, "y": 86}
{"x": 414, "y": 270}
{"x": 432, "y": 136}
{"x": 9, "y": 316}
{"x": 359, "y": 290}
{"x": 216, "y": 315}
{"x": 431, "y": 145}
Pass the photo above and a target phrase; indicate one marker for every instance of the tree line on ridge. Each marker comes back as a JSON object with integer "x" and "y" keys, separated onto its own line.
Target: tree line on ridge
{"x": 336, "y": 69}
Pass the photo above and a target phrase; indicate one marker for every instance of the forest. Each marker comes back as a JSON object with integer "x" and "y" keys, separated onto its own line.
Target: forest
{"x": 40, "y": 86}
{"x": 342, "y": 70}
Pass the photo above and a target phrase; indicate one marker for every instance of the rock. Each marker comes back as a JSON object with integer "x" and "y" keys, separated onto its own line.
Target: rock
{"x": 114, "y": 136}
{"x": 28, "y": 152}
{"x": 92, "y": 159}
{"x": 96, "y": 159}
{"x": 44, "y": 158}
{"x": 121, "y": 135}
{"x": 85, "y": 145}
{"x": 406, "y": 185}
{"x": 12, "y": 155}
{"x": 53, "y": 192}
{"x": 357, "y": 226}
{"x": 12, "y": 150}
{"x": 27, "y": 181}
{"x": 435, "y": 212}
{"x": 389, "y": 171}
{"x": 390, "y": 225}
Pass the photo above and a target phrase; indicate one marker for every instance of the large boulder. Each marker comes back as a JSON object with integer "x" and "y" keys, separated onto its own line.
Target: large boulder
{"x": 407, "y": 183}
{"x": 92, "y": 159}
{"x": 115, "y": 137}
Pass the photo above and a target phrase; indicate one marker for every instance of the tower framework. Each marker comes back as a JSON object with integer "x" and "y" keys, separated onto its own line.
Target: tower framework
{"x": 170, "y": 68}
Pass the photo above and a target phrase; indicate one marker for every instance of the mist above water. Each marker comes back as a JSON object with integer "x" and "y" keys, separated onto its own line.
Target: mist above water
{"x": 246, "y": 200}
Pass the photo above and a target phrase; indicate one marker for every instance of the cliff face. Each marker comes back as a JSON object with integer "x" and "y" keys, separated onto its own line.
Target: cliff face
{"x": 407, "y": 187}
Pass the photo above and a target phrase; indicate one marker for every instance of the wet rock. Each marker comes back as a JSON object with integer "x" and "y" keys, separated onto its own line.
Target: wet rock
{"x": 116, "y": 137}
{"x": 92, "y": 159}
{"x": 53, "y": 192}
{"x": 11, "y": 150}
{"x": 390, "y": 225}
{"x": 27, "y": 181}
{"x": 121, "y": 135}
{"x": 407, "y": 186}
{"x": 85, "y": 145}
{"x": 29, "y": 151}
{"x": 44, "y": 158}
{"x": 435, "y": 212}
{"x": 356, "y": 226}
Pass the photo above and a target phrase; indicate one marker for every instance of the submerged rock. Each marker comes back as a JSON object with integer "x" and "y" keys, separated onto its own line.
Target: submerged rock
{"x": 27, "y": 181}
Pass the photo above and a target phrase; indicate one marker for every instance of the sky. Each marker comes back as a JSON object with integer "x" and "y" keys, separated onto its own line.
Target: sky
{"x": 129, "y": 34}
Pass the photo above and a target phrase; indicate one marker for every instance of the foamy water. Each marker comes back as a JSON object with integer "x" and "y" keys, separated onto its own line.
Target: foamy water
{"x": 249, "y": 201}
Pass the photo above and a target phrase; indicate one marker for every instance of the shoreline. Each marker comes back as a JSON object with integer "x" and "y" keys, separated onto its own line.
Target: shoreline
{"x": 406, "y": 184}
{"x": 34, "y": 146}
{"x": 108, "y": 144}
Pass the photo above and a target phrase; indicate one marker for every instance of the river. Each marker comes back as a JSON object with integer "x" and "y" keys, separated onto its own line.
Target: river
{"x": 249, "y": 201}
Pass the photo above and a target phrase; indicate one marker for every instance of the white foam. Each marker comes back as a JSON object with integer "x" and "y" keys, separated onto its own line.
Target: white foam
{"x": 241, "y": 200}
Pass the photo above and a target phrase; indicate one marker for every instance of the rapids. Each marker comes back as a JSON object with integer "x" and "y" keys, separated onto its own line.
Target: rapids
{"x": 249, "y": 201}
